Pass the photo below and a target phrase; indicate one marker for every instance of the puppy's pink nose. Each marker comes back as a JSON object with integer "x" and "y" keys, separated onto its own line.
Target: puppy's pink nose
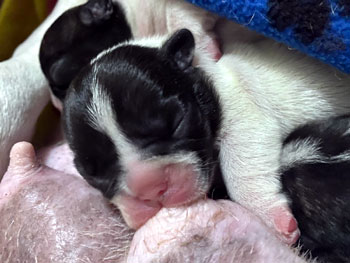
{"x": 168, "y": 184}
{"x": 147, "y": 182}
{"x": 153, "y": 186}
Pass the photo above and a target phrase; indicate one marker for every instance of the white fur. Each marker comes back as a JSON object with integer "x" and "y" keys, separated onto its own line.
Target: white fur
{"x": 23, "y": 89}
{"x": 161, "y": 17}
{"x": 343, "y": 157}
{"x": 300, "y": 151}
{"x": 153, "y": 20}
{"x": 266, "y": 91}
{"x": 153, "y": 42}
{"x": 308, "y": 151}
{"x": 347, "y": 132}
{"x": 103, "y": 119}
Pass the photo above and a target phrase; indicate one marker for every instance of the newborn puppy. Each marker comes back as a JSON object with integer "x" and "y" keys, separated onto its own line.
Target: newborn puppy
{"x": 153, "y": 120}
{"x": 316, "y": 178}
{"x": 82, "y": 32}
{"x": 148, "y": 125}
{"x": 77, "y": 36}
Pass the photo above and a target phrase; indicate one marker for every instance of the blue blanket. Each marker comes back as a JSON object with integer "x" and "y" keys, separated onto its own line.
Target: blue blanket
{"x": 320, "y": 28}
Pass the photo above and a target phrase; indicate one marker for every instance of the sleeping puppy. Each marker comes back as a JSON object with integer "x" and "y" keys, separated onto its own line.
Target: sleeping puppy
{"x": 153, "y": 120}
{"x": 82, "y": 32}
{"x": 77, "y": 36}
{"x": 150, "y": 120}
{"x": 316, "y": 177}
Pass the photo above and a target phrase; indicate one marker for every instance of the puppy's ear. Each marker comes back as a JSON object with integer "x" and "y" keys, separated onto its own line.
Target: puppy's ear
{"x": 60, "y": 75}
{"x": 63, "y": 71}
{"x": 180, "y": 48}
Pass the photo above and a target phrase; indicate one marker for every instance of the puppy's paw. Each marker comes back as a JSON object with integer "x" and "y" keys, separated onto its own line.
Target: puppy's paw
{"x": 285, "y": 224}
{"x": 276, "y": 214}
{"x": 96, "y": 11}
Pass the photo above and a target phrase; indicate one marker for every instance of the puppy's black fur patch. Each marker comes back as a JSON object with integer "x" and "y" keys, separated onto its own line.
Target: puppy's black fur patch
{"x": 76, "y": 37}
{"x": 309, "y": 18}
{"x": 345, "y": 7}
{"x": 162, "y": 105}
{"x": 320, "y": 191}
{"x": 329, "y": 133}
{"x": 98, "y": 158}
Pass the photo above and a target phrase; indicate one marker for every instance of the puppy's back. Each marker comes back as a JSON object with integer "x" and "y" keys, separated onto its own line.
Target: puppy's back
{"x": 316, "y": 178}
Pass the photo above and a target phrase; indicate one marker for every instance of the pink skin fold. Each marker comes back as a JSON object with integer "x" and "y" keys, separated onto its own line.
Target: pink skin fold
{"x": 53, "y": 216}
{"x": 151, "y": 187}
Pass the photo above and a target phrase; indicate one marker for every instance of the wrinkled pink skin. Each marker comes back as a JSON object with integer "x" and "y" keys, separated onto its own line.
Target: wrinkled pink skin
{"x": 51, "y": 216}
{"x": 208, "y": 231}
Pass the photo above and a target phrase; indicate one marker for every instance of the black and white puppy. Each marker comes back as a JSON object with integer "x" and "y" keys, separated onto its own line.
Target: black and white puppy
{"x": 149, "y": 120}
{"x": 70, "y": 43}
{"x": 142, "y": 123}
{"x": 76, "y": 37}
{"x": 82, "y": 32}
{"x": 316, "y": 177}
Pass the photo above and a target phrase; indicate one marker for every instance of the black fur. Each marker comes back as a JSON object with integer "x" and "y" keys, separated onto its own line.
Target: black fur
{"x": 98, "y": 159}
{"x": 309, "y": 18}
{"x": 345, "y": 7}
{"x": 76, "y": 37}
{"x": 218, "y": 188}
{"x": 162, "y": 104}
{"x": 320, "y": 191}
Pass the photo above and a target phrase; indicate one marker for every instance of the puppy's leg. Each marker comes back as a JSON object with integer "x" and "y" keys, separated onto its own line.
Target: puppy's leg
{"x": 23, "y": 89}
{"x": 249, "y": 156}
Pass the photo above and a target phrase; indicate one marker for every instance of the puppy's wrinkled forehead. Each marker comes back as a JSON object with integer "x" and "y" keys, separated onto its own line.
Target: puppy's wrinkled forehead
{"x": 140, "y": 90}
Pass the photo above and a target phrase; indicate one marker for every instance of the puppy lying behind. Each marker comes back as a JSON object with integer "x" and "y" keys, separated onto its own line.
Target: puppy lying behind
{"x": 149, "y": 120}
{"x": 84, "y": 31}
{"x": 77, "y": 36}
{"x": 316, "y": 178}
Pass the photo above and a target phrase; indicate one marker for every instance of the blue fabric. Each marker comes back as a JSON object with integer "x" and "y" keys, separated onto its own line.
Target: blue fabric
{"x": 320, "y": 28}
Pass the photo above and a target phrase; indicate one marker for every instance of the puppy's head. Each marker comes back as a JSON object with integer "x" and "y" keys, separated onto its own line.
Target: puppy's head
{"x": 142, "y": 123}
{"x": 76, "y": 37}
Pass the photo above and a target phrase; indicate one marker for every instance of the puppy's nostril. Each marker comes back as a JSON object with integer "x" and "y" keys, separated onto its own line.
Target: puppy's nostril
{"x": 161, "y": 192}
